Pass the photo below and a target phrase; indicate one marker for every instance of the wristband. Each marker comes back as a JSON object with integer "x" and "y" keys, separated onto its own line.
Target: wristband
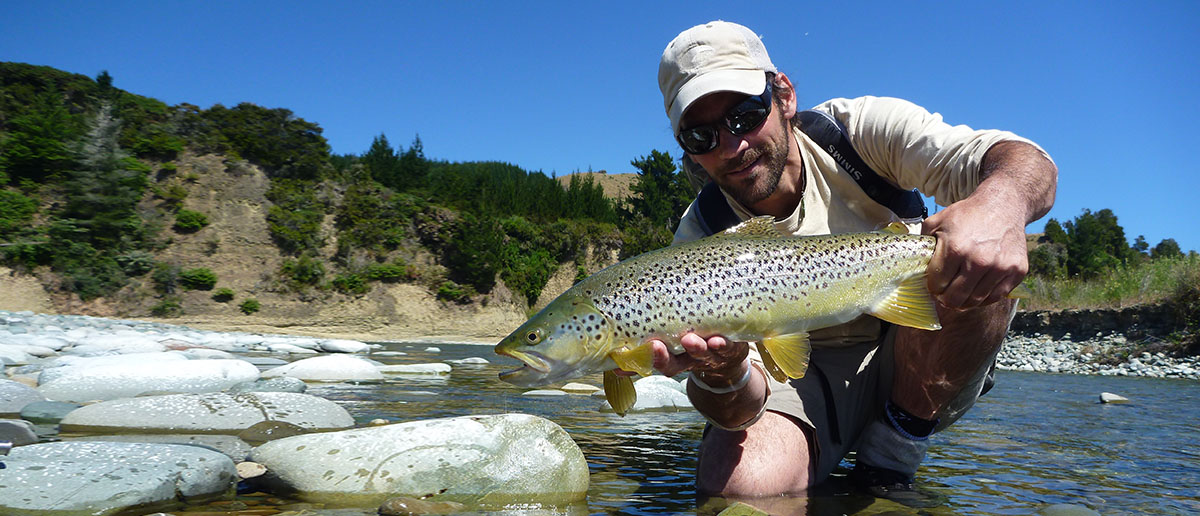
{"x": 736, "y": 386}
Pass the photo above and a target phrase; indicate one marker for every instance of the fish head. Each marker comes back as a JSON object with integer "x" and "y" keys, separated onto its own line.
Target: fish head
{"x": 567, "y": 339}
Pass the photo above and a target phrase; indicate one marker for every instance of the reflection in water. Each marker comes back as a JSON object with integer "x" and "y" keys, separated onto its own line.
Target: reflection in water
{"x": 1034, "y": 440}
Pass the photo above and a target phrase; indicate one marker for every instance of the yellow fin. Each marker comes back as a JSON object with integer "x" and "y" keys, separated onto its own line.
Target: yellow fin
{"x": 639, "y": 360}
{"x": 790, "y": 353}
{"x": 619, "y": 391}
{"x": 770, "y": 366}
{"x": 895, "y": 228}
{"x": 762, "y": 226}
{"x": 1020, "y": 292}
{"x": 909, "y": 305}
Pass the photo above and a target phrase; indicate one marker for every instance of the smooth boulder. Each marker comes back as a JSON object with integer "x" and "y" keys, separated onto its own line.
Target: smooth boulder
{"x": 330, "y": 368}
{"x": 122, "y": 380}
{"x": 207, "y": 413}
{"x": 15, "y": 395}
{"x": 486, "y": 460}
{"x": 65, "y": 477}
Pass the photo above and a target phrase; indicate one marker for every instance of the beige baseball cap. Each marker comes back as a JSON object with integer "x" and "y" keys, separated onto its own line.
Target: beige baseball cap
{"x": 715, "y": 56}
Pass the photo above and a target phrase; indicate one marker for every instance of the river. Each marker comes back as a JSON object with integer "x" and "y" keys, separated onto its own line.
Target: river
{"x": 1034, "y": 441}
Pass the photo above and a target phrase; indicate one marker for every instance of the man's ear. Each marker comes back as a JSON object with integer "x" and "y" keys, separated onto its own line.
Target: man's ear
{"x": 784, "y": 84}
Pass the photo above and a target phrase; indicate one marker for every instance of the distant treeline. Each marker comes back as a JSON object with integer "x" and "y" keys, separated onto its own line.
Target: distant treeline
{"x": 78, "y": 155}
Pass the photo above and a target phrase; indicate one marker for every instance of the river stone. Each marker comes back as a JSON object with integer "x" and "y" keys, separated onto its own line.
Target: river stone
{"x": 106, "y": 478}
{"x": 15, "y": 395}
{"x": 344, "y": 346}
{"x": 1108, "y": 397}
{"x": 1066, "y": 509}
{"x": 17, "y": 431}
{"x": 657, "y": 392}
{"x": 285, "y": 347}
{"x": 47, "y": 412}
{"x": 277, "y": 384}
{"x": 207, "y": 413}
{"x": 470, "y": 361}
{"x": 16, "y": 355}
{"x": 68, "y": 365}
{"x": 265, "y": 431}
{"x": 487, "y": 460}
{"x": 231, "y": 446}
{"x": 544, "y": 392}
{"x": 125, "y": 380}
{"x": 330, "y": 368}
{"x": 579, "y": 388}
{"x": 119, "y": 343}
{"x": 435, "y": 368}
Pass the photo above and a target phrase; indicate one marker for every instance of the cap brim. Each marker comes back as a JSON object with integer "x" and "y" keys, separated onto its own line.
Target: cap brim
{"x": 747, "y": 82}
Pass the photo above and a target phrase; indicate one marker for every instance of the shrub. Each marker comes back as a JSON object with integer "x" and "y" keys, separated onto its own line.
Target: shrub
{"x": 350, "y": 284}
{"x": 249, "y": 306}
{"x": 166, "y": 277}
{"x": 136, "y": 263}
{"x": 168, "y": 307}
{"x": 451, "y": 291}
{"x": 223, "y": 295}
{"x": 188, "y": 221}
{"x": 15, "y": 211}
{"x": 387, "y": 272}
{"x": 198, "y": 279}
{"x": 303, "y": 271}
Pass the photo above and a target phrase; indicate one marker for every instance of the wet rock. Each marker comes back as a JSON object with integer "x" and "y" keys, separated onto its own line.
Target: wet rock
{"x": 14, "y": 355}
{"x": 277, "y": 384}
{"x": 207, "y": 413}
{"x": 119, "y": 343}
{"x": 250, "y": 470}
{"x": 47, "y": 412}
{"x": 476, "y": 459}
{"x": 105, "y": 478}
{"x": 265, "y": 431}
{"x": 433, "y": 349}
{"x": 15, "y": 395}
{"x": 470, "y": 361}
{"x": 544, "y": 392}
{"x": 408, "y": 506}
{"x": 1108, "y": 397}
{"x": 289, "y": 348}
{"x": 17, "y": 431}
{"x": 580, "y": 388}
{"x": 436, "y": 368}
{"x": 331, "y": 368}
{"x": 122, "y": 380}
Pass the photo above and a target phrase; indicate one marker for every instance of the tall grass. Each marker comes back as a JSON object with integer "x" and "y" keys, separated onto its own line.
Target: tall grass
{"x": 1151, "y": 281}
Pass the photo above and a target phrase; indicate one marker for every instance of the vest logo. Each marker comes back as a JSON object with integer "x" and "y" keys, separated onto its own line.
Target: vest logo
{"x": 842, "y": 162}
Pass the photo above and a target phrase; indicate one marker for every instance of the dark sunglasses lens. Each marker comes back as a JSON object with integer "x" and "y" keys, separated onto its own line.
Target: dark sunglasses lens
{"x": 747, "y": 116}
{"x": 698, "y": 140}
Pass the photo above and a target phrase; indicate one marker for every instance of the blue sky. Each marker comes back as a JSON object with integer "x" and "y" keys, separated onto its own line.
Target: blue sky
{"x": 1110, "y": 89}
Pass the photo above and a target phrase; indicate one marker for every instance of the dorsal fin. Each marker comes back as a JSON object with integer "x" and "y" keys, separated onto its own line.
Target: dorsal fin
{"x": 762, "y": 226}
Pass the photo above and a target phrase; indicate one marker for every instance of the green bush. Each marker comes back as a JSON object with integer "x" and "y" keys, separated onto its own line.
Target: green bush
{"x": 166, "y": 277}
{"x": 305, "y": 270}
{"x": 295, "y": 219}
{"x": 387, "y": 272}
{"x": 16, "y": 211}
{"x": 188, "y": 221}
{"x": 451, "y": 291}
{"x": 168, "y": 307}
{"x": 350, "y": 284}
{"x": 172, "y": 196}
{"x": 198, "y": 279}
{"x": 223, "y": 295}
{"x": 249, "y": 306}
{"x": 136, "y": 263}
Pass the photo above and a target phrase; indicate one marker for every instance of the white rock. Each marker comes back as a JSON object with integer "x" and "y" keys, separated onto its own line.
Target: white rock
{"x": 436, "y": 368}
{"x": 1108, "y": 397}
{"x": 344, "y": 346}
{"x": 285, "y": 347}
{"x": 657, "y": 392}
{"x": 215, "y": 412}
{"x": 433, "y": 349}
{"x": 15, "y": 395}
{"x": 329, "y": 368}
{"x": 121, "y": 380}
{"x": 480, "y": 459}
{"x": 470, "y": 361}
{"x": 580, "y": 388}
{"x": 544, "y": 392}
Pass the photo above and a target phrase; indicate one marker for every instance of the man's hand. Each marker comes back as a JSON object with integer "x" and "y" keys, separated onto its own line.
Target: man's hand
{"x": 713, "y": 355}
{"x": 981, "y": 255}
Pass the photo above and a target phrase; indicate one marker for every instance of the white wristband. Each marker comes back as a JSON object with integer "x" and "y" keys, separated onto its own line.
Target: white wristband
{"x": 736, "y": 386}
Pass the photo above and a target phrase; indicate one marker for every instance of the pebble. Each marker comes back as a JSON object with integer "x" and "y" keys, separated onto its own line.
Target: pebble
{"x": 1040, "y": 353}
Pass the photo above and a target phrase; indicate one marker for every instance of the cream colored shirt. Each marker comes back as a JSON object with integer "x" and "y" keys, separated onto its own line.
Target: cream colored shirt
{"x": 902, "y": 142}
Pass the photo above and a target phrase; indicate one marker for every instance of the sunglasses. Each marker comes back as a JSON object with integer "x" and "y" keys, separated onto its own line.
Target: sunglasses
{"x": 739, "y": 120}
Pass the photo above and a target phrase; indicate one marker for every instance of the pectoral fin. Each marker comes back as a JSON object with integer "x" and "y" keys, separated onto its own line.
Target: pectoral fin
{"x": 909, "y": 305}
{"x": 789, "y": 352}
{"x": 619, "y": 391}
{"x": 639, "y": 360}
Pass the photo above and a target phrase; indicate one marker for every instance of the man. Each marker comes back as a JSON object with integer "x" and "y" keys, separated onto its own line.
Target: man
{"x": 872, "y": 388}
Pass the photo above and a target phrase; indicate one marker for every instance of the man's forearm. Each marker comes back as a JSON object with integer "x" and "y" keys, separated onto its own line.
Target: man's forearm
{"x": 734, "y": 409}
{"x": 1022, "y": 173}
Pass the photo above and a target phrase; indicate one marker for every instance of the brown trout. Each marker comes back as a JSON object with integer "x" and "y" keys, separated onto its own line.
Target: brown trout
{"x": 749, "y": 283}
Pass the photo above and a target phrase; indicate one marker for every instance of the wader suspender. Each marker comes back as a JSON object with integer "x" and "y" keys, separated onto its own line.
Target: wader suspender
{"x": 715, "y": 214}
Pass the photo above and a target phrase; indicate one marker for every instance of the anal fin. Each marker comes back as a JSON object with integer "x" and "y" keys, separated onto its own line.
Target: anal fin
{"x": 909, "y": 305}
{"x": 790, "y": 353}
{"x": 619, "y": 391}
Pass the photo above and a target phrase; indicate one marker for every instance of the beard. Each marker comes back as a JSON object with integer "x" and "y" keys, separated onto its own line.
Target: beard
{"x": 760, "y": 185}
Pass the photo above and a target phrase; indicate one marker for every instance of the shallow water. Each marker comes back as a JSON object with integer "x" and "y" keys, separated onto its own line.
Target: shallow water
{"x": 1033, "y": 441}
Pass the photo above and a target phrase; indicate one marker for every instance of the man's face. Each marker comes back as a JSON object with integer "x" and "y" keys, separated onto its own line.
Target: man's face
{"x": 746, "y": 166}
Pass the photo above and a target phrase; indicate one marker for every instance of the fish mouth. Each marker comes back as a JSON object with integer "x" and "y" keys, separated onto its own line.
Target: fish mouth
{"x": 534, "y": 370}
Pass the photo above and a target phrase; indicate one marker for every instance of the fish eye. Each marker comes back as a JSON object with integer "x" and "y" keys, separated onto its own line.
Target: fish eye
{"x": 533, "y": 337}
